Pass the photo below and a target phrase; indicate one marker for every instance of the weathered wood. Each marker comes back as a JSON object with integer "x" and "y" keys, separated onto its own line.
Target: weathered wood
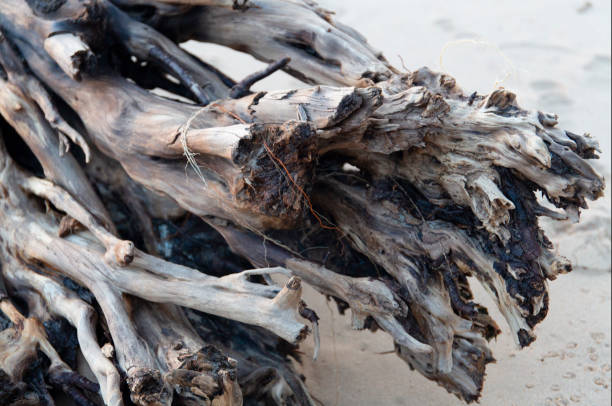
{"x": 322, "y": 51}
{"x": 69, "y": 52}
{"x": 146, "y": 276}
{"x": 19, "y": 346}
{"x": 385, "y": 191}
{"x": 63, "y": 303}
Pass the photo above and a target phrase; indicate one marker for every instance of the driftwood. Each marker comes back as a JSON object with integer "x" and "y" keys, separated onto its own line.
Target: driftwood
{"x": 381, "y": 189}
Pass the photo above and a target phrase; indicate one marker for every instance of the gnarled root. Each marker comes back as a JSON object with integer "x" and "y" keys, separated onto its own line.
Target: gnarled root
{"x": 63, "y": 303}
{"x": 153, "y": 279}
{"x": 19, "y": 346}
{"x": 322, "y": 50}
{"x": 263, "y": 374}
{"x": 198, "y": 373}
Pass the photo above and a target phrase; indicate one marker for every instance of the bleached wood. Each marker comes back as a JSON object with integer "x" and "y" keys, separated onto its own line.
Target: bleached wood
{"x": 69, "y": 52}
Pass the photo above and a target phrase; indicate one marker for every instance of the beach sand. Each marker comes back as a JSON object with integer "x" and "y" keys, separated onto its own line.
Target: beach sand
{"x": 555, "y": 55}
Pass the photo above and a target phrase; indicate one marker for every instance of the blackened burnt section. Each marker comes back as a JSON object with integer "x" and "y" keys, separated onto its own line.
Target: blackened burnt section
{"x": 63, "y": 338}
{"x": 277, "y": 164}
{"x": 191, "y": 242}
{"x": 522, "y": 250}
{"x": 4, "y": 322}
{"x": 18, "y": 149}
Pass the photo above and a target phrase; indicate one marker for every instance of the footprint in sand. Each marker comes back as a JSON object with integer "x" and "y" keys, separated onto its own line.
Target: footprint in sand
{"x": 445, "y": 24}
{"x": 599, "y": 66}
{"x": 551, "y": 94}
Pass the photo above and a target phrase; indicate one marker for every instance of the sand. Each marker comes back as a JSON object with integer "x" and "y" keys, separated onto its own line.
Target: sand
{"x": 556, "y": 56}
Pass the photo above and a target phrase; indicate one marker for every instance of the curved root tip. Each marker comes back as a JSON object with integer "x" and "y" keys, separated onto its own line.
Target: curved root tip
{"x": 525, "y": 337}
{"x": 311, "y": 316}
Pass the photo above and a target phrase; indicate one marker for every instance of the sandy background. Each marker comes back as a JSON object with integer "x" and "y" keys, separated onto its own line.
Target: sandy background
{"x": 556, "y": 56}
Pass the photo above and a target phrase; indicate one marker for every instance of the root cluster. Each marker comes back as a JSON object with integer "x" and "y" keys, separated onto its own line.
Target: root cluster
{"x": 389, "y": 192}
